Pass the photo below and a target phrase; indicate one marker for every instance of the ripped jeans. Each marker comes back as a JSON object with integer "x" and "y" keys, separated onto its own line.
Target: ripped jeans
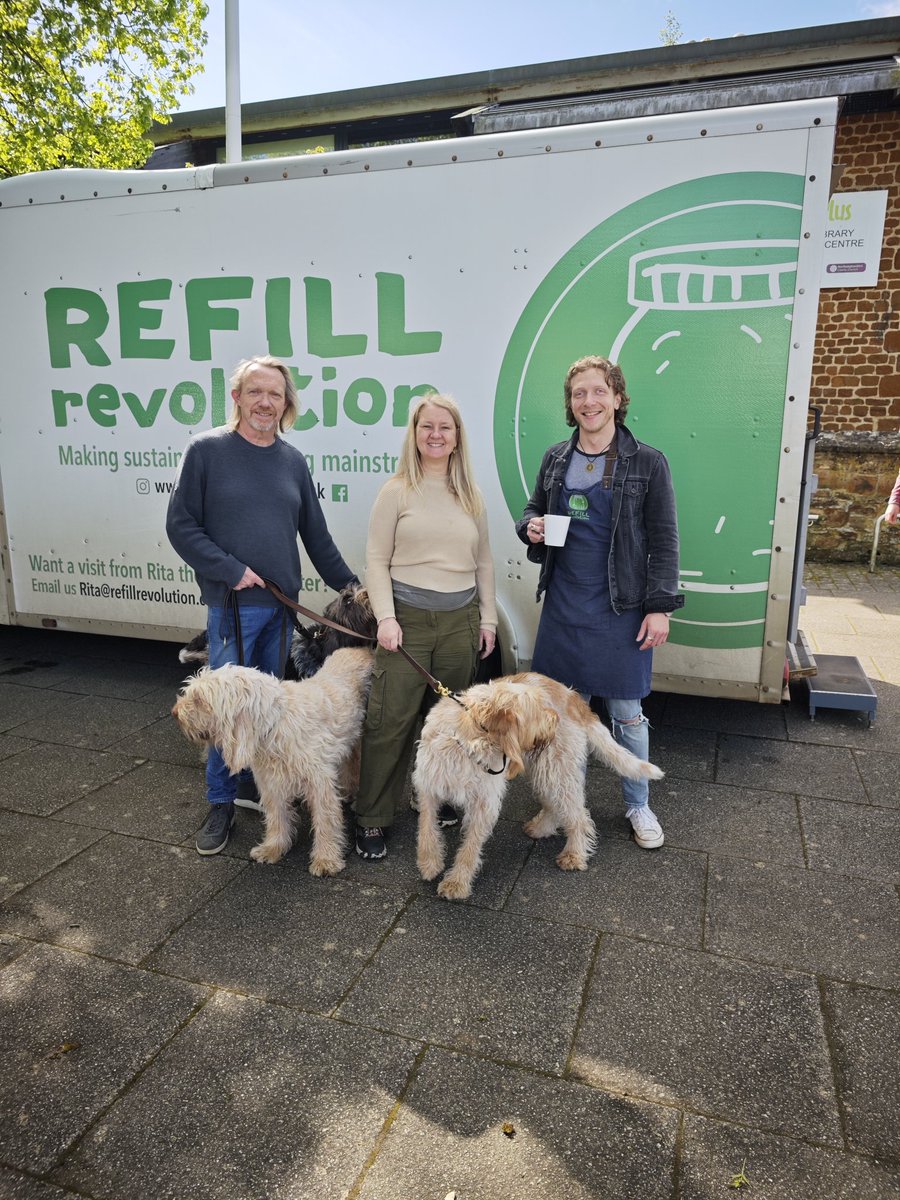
{"x": 631, "y": 729}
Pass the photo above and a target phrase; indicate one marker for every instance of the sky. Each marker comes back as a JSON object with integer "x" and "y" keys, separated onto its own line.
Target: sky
{"x": 296, "y": 48}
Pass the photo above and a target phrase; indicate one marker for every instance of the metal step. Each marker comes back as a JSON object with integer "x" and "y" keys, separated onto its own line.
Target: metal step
{"x": 840, "y": 682}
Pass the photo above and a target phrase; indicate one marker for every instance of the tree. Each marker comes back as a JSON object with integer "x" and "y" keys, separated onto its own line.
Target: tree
{"x": 671, "y": 33}
{"x": 81, "y": 82}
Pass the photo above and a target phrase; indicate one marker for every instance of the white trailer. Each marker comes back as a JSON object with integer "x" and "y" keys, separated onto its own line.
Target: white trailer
{"x": 686, "y": 247}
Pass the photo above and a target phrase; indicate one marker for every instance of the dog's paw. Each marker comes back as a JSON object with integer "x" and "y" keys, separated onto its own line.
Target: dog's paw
{"x": 326, "y": 866}
{"x": 430, "y": 868}
{"x": 568, "y": 860}
{"x": 454, "y": 889}
{"x": 652, "y": 772}
{"x": 266, "y": 854}
{"x": 538, "y": 827}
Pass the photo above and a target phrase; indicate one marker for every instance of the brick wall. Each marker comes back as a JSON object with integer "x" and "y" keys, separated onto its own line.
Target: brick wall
{"x": 856, "y": 367}
{"x": 856, "y": 472}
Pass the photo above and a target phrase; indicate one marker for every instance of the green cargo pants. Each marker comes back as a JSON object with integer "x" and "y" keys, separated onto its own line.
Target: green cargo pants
{"x": 446, "y": 644}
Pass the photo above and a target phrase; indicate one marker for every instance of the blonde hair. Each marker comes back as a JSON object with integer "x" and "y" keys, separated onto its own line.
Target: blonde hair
{"x": 289, "y": 416}
{"x": 459, "y": 470}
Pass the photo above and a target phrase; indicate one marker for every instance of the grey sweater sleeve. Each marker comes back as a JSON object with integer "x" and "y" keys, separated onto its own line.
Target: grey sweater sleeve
{"x": 185, "y": 525}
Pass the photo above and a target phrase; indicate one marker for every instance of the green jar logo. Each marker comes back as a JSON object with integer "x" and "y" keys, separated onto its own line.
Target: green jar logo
{"x": 691, "y": 290}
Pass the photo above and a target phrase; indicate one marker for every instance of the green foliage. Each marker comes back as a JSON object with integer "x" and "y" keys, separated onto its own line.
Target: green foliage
{"x": 81, "y": 82}
{"x": 671, "y": 33}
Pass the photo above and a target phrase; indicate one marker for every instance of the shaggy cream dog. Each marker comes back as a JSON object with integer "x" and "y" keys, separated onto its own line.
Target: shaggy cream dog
{"x": 300, "y": 740}
{"x": 469, "y": 749}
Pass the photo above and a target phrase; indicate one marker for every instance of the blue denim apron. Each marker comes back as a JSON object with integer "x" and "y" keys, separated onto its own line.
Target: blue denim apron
{"x": 581, "y": 641}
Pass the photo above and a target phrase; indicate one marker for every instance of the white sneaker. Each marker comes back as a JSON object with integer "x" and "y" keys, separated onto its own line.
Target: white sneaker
{"x": 246, "y": 802}
{"x": 647, "y": 830}
{"x": 248, "y": 795}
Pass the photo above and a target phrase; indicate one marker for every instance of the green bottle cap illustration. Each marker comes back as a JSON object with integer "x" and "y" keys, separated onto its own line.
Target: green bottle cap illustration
{"x": 691, "y": 291}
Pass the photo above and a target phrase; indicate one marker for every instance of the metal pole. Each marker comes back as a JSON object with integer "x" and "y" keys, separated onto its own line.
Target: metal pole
{"x": 232, "y": 83}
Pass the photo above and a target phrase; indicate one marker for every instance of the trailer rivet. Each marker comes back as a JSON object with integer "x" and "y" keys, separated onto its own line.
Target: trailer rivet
{"x": 703, "y": 133}
{"x": 547, "y": 148}
{"x": 453, "y": 158}
{"x": 409, "y": 162}
{"x": 499, "y": 153}
{"x": 598, "y": 143}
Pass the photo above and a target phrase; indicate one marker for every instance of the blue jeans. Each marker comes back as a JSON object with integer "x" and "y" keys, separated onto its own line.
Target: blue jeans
{"x": 265, "y": 636}
{"x": 631, "y": 729}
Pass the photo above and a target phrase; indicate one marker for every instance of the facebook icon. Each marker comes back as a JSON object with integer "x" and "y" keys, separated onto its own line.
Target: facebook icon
{"x": 339, "y": 493}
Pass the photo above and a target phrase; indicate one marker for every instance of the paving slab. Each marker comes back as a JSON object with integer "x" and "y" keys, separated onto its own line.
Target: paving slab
{"x": 30, "y": 847}
{"x": 505, "y": 853}
{"x": 19, "y": 706}
{"x": 847, "y": 929}
{"x": 778, "y": 1168}
{"x": 250, "y": 1100}
{"x": 740, "y": 1042}
{"x": 684, "y": 753}
{"x": 10, "y": 947}
{"x": 37, "y": 672}
{"x": 283, "y": 935}
{"x": 44, "y": 779}
{"x": 76, "y": 1030}
{"x": 162, "y": 741}
{"x": 789, "y": 767}
{"x": 94, "y": 721}
{"x": 154, "y": 800}
{"x": 880, "y": 773}
{"x": 671, "y": 885}
{"x": 731, "y": 821}
{"x": 119, "y": 898}
{"x": 560, "y": 1140}
{"x": 10, "y": 746}
{"x": 106, "y": 677}
{"x": 865, "y": 1026}
{"x": 14, "y": 1186}
{"x": 725, "y": 716}
{"x": 853, "y": 839}
{"x": 475, "y": 980}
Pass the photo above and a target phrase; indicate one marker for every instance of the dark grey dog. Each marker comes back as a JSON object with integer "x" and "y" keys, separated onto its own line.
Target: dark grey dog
{"x": 312, "y": 644}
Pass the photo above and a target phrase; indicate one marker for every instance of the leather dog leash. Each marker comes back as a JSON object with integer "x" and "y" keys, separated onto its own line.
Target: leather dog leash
{"x": 435, "y": 684}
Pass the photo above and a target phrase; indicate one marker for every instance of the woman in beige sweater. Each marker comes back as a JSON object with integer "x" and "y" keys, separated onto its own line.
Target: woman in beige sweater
{"x": 431, "y": 583}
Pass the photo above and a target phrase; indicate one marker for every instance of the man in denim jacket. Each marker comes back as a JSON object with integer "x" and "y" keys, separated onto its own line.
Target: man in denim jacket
{"x": 609, "y": 589}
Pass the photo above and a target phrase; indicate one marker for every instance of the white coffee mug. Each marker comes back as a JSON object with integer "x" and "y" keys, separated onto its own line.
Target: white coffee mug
{"x": 555, "y": 530}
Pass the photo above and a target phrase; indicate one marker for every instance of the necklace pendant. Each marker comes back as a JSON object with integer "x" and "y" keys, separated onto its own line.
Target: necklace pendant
{"x": 589, "y": 466}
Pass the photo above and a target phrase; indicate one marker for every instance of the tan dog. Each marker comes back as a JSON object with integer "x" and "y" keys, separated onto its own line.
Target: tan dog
{"x": 469, "y": 750}
{"x": 301, "y": 739}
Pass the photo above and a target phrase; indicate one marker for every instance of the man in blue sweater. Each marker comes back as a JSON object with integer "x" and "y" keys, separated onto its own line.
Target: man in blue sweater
{"x": 241, "y": 497}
